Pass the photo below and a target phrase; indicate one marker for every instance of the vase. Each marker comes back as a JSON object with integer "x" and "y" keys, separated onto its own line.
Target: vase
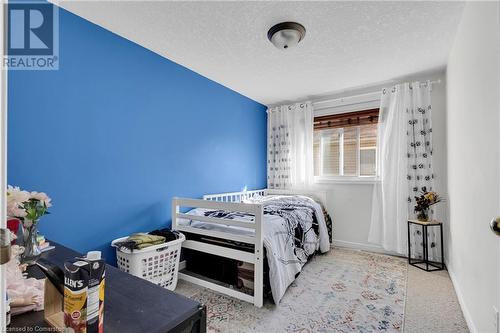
{"x": 423, "y": 215}
{"x": 31, "y": 250}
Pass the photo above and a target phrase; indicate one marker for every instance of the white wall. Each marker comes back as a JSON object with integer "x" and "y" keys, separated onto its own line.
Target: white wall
{"x": 473, "y": 162}
{"x": 350, "y": 204}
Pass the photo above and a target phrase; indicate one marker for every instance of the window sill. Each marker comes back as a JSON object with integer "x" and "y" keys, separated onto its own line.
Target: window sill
{"x": 346, "y": 180}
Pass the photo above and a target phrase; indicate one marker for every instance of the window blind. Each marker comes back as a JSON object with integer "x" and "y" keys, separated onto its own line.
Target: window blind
{"x": 345, "y": 144}
{"x": 326, "y": 151}
{"x": 367, "y": 149}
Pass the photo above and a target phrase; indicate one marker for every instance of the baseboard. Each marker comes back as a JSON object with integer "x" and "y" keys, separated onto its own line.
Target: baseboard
{"x": 461, "y": 300}
{"x": 360, "y": 246}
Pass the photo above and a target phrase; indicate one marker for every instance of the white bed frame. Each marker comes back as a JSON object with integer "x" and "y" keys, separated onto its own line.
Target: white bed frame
{"x": 230, "y": 202}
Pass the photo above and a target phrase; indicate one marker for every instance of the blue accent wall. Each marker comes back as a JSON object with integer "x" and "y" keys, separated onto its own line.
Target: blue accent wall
{"x": 118, "y": 131}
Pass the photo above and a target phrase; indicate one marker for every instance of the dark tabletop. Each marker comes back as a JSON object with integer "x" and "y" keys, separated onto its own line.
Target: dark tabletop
{"x": 131, "y": 304}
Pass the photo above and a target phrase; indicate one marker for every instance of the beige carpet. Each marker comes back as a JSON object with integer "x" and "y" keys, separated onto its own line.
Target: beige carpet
{"x": 428, "y": 297}
{"x": 431, "y": 304}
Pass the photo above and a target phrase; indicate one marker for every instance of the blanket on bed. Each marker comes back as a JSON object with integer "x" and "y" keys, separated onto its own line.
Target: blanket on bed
{"x": 294, "y": 228}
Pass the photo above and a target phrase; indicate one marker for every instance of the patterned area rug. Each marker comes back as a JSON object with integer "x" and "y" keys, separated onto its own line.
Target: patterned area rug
{"x": 342, "y": 291}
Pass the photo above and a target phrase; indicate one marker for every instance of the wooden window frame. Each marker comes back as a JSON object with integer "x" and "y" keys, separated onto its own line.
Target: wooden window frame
{"x": 347, "y": 119}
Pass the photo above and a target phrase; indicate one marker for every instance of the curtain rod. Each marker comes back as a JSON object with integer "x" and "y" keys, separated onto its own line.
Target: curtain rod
{"x": 422, "y": 84}
{"x": 329, "y": 100}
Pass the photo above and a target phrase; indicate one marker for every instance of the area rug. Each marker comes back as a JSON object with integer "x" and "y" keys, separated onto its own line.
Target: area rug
{"x": 342, "y": 291}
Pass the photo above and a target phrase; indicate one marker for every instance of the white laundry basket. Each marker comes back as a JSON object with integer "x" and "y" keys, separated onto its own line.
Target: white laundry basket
{"x": 158, "y": 263}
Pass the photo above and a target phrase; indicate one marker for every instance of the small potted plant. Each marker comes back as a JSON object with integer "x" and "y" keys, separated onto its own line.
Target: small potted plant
{"x": 28, "y": 207}
{"x": 424, "y": 202}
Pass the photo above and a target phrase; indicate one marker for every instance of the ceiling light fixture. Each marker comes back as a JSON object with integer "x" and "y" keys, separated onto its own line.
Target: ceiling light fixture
{"x": 286, "y": 34}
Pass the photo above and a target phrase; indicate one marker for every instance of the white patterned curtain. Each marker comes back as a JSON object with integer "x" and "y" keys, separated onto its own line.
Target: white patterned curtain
{"x": 404, "y": 161}
{"x": 290, "y": 137}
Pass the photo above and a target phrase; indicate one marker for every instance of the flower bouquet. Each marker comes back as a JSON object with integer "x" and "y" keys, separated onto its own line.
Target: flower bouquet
{"x": 28, "y": 207}
{"x": 424, "y": 202}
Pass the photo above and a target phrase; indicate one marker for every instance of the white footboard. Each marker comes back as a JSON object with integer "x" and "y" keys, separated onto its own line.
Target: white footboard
{"x": 255, "y": 258}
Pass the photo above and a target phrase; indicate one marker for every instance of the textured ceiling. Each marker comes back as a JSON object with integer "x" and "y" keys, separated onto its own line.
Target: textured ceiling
{"x": 347, "y": 44}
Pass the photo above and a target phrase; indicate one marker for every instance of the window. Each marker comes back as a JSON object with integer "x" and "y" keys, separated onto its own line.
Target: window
{"x": 345, "y": 144}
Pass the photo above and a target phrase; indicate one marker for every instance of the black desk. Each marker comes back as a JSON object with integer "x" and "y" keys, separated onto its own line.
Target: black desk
{"x": 131, "y": 305}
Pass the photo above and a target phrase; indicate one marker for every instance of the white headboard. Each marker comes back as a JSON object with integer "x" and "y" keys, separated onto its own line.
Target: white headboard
{"x": 239, "y": 196}
{"x": 234, "y": 196}
{"x": 315, "y": 194}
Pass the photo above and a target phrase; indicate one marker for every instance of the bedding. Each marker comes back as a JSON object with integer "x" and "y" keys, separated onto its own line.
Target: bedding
{"x": 294, "y": 229}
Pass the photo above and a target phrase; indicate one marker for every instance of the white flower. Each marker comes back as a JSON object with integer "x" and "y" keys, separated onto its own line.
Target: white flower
{"x": 38, "y": 196}
{"x": 15, "y": 200}
{"x": 48, "y": 202}
{"x": 42, "y": 197}
{"x": 10, "y": 188}
{"x": 14, "y": 194}
{"x": 17, "y": 212}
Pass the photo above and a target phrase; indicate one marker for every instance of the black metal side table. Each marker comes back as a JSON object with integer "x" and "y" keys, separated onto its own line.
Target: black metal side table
{"x": 424, "y": 263}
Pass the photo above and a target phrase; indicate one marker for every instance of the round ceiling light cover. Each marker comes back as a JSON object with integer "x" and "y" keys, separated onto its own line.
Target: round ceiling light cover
{"x": 286, "y": 35}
